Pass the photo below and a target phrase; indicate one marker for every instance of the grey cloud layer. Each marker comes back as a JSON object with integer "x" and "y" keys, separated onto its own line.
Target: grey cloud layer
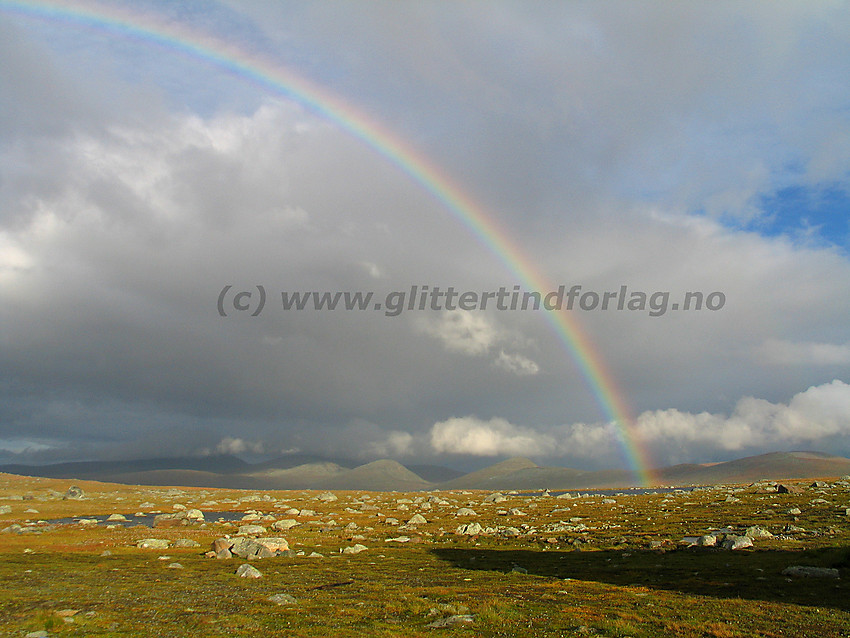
{"x": 592, "y": 136}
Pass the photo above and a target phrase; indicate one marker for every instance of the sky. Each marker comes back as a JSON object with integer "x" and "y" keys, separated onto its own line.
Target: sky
{"x": 163, "y": 165}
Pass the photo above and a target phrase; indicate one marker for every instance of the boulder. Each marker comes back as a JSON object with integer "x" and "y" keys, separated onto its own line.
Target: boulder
{"x": 737, "y": 542}
{"x": 74, "y": 492}
{"x": 806, "y": 571}
{"x": 250, "y": 548}
{"x": 355, "y": 549}
{"x": 470, "y": 529}
{"x": 757, "y": 532}
{"x": 248, "y": 571}
{"x": 177, "y": 519}
{"x": 153, "y": 543}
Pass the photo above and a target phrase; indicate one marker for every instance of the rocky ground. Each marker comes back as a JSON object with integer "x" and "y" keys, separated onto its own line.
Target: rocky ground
{"x": 750, "y": 560}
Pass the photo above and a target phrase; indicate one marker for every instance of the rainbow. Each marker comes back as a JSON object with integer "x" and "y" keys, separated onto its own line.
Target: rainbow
{"x": 278, "y": 79}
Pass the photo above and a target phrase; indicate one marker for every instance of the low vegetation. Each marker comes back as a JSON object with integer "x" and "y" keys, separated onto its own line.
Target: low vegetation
{"x": 539, "y": 565}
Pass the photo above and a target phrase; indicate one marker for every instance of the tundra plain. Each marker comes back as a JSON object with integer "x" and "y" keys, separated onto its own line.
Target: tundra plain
{"x": 457, "y": 562}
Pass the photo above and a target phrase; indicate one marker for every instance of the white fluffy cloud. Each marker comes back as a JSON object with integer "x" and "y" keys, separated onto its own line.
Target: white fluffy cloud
{"x": 462, "y": 331}
{"x": 495, "y": 437}
{"x": 476, "y": 334}
{"x": 809, "y": 418}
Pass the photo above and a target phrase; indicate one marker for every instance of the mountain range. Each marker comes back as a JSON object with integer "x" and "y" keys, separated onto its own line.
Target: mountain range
{"x": 312, "y": 472}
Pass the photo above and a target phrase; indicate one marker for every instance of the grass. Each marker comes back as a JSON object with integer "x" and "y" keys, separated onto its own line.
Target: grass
{"x": 608, "y": 579}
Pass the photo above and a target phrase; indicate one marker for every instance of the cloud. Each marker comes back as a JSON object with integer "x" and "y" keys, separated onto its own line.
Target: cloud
{"x": 516, "y": 364}
{"x": 232, "y": 445}
{"x": 810, "y": 417}
{"x": 782, "y": 352}
{"x": 476, "y": 334}
{"x": 120, "y": 226}
{"x": 462, "y": 331}
{"x": 496, "y": 437}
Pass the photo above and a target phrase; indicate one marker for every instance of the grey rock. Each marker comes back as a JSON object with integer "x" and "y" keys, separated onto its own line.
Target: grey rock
{"x": 185, "y": 542}
{"x": 74, "y": 492}
{"x": 451, "y": 620}
{"x": 417, "y": 519}
{"x": 757, "y": 532}
{"x": 174, "y": 566}
{"x": 248, "y": 571}
{"x": 465, "y": 511}
{"x": 252, "y": 530}
{"x": 285, "y": 524}
{"x": 282, "y": 599}
{"x": 810, "y": 572}
{"x": 153, "y": 543}
{"x": 470, "y": 529}
{"x": 737, "y": 542}
{"x": 355, "y": 549}
{"x": 5, "y": 509}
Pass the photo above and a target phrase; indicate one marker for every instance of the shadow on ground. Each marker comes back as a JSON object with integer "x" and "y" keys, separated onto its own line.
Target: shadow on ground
{"x": 748, "y": 574}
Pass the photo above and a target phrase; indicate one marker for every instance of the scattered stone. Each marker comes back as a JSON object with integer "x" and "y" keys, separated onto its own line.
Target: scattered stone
{"x": 794, "y": 511}
{"x": 737, "y": 542}
{"x": 465, "y": 511}
{"x": 74, "y": 492}
{"x": 252, "y": 530}
{"x": 398, "y": 539}
{"x": 285, "y": 524}
{"x": 519, "y": 570}
{"x": 785, "y": 488}
{"x": 327, "y": 497}
{"x": 757, "y": 532}
{"x": 495, "y": 497}
{"x": 185, "y": 542}
{"x": 105, "y": 553}
{"x": 37, "y": 634}
{"x": 153, "y": 543}
{"x": 5, "y": 509}
{"x": 471, "y": 529}
{"x": 451, "y": 620}
{"x": 282, "y": 599}
{"x": 116, "y": 517}
{"x": 12, "y": 529}
{"x": 810, "y": 572}
{"x": 177, "y": 519}
{"x": 250, "y": 548}
{"x": 608, "y": 501}
{"x": 355, "y": 549}
{"x": 174, "y": 566}
{"x": 708, "y": 540}
{"x": 67, "y": 613}
{"x": 248, "y": 571}
{"x": 417, "y": 519}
